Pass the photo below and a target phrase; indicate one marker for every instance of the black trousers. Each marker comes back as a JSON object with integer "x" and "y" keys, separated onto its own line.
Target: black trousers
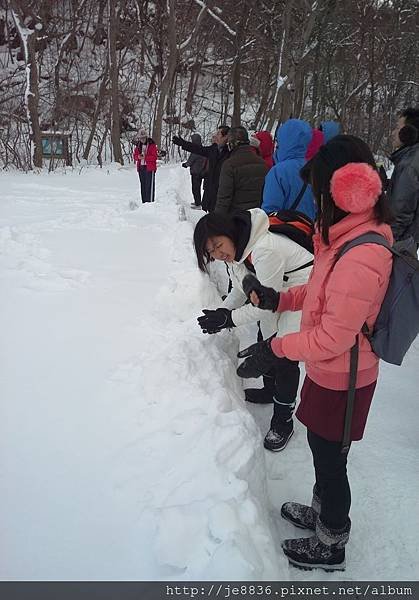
{"x": 146, "y": 184}
{"x": 286, "y": 376}
{"x": 332, "y": 485}
{"x": 196, "y": 188}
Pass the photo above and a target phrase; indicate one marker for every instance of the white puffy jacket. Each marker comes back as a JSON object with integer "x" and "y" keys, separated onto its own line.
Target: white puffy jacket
{"x": 272, "y": 256}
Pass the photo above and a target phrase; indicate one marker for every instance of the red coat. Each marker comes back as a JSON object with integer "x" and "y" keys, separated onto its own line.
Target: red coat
{"x": 266, "y": 147}
{"x": 150, "y": 154}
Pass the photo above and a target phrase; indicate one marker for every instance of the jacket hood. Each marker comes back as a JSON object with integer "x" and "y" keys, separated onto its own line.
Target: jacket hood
{"x": 260, "y": 227}
{"x": 317, "y": 140}
{"x": 330, "y": 129}
{"x": 196, "y": 138}
{"x": 293, "y": 138}
{"x": 266, "y": 146}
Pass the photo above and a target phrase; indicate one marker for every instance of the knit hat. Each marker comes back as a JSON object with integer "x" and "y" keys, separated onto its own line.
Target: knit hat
{"x": 355, "y": 188}
{"x": 142, "y": 133}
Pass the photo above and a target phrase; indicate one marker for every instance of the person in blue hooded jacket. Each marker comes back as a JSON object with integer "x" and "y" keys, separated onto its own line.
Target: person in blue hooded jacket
{"x": 330, "y": 129}
{"x": 283, "y": 183}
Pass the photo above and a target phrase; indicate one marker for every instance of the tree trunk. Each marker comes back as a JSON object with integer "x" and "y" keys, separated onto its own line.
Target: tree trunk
{"x": 99, "y": 104}
{"x": 113, "y": 76}
{"x": 236, "y": 77}
{"x": 28, "y": 42}
{"x": 167, "y": 80}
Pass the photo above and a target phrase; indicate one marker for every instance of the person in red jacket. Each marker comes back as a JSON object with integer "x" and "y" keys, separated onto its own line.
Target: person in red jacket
{"x": 145, "y": 157}
{"x": 317, "y": 141}
{"x": 339, "y": 298}
{"x": 266, "y": 146}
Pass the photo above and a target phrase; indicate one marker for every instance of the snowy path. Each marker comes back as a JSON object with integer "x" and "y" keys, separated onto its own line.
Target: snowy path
{"x": 126, "y": 451}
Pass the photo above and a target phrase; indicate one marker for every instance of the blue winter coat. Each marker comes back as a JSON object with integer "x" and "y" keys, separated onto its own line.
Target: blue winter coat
{"x": 283, "y": 182}
{"x": 330, "y": 129}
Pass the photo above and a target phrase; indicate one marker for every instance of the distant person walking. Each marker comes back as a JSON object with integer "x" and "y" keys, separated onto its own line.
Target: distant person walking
{"x": 197, "y": 164}
{"x": 145, "y": 157}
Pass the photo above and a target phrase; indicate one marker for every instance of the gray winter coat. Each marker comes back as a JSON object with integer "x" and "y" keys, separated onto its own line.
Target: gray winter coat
{"x": 195, "y": 162}
{"x": 403, "y": 193}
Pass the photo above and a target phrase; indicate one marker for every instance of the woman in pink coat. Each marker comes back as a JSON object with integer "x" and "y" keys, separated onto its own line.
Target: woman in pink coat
{"x": 337, "y": 300}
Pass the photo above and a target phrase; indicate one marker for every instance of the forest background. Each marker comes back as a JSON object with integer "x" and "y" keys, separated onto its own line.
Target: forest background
{"x": 98, "y": 69}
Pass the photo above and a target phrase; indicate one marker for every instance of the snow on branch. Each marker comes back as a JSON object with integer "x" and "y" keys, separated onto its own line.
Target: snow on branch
{"x": 199, "y": 18}
{"x": 216, "y": 17}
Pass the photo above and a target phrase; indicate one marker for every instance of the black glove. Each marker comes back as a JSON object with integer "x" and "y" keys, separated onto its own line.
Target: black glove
{"x": 177, "y": 140}
{"x": 214, "y": 321}
{"x": 268, "y": 297}
{"x": 185, "y": 165}
{"x": 259, "y": 359}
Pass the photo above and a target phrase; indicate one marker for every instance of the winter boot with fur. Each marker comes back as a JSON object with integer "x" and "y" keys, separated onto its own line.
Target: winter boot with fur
{"x": 301, "y": 515}
{"x": 276, "y": 440}
{"x": 324, "y": 550}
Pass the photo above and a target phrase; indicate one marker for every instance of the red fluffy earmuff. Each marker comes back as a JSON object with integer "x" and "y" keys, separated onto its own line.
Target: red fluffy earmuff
{"x": 355, "y": 187}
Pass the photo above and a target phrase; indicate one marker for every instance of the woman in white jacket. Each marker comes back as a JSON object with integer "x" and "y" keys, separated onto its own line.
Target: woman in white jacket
{"x": 244, "y": 242}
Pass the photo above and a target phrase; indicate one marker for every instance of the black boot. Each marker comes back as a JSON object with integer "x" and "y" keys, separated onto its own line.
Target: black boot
{"x": 324, "y": 550}
{"x": 276, "y": 440}
{"x": 261, "y": 395}
{"x": 301, "y": 515}
{"x": 258, "y": 396}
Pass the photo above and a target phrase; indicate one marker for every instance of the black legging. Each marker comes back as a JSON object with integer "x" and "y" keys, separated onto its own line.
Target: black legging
{"x": 196, "y": 188}
{"x": 332, "y": 483}
{"x": 286, "y": 374}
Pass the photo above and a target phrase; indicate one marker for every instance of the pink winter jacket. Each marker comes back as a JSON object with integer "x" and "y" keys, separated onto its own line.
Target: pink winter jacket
{"x": 335, "y": 302}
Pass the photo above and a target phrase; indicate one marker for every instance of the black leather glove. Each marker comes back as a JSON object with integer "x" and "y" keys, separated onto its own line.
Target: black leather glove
{"x": 214, "y": 321}
{"x": 268, "y": 297}
{"x": 259, "y": 359}
{"x": 185, "y": 165}
{"x": 177, "y": 140}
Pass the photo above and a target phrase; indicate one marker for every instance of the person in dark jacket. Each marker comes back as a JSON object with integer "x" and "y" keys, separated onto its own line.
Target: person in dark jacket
{"x": 196, "y": 164}
{"x": 242, "y": 175}
{"x": 403, "y": 190}
{"x": 216, "y": 155}
{"x": 283, "y": 183}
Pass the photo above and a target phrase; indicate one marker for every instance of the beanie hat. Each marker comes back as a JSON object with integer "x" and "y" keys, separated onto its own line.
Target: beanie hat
{"x": 142, "y": 132}
{"x": 355, "y": 188}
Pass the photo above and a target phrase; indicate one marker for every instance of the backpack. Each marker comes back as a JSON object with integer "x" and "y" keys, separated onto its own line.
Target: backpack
{"x": 295, "y": 225}
{"x": 397, "y": 323}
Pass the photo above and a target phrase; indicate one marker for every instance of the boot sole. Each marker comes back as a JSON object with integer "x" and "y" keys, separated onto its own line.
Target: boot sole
{"x": 282, "y": 447}
{"x": 309, "y": 567}
{"x": 299, "y": 525}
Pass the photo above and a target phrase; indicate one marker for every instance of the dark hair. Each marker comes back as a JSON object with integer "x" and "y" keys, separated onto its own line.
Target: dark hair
{"x": 224, "y": 129}
{"x": 238, "y": 135}
{"x": 409, "y": 133}
{"x": 318, "y": 172}
{"x": 411, "y": 116}
{"x": 208, "y": 226}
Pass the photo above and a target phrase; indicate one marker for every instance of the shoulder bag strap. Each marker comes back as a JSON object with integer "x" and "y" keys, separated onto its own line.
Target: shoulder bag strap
{"x": 298, "y": 198}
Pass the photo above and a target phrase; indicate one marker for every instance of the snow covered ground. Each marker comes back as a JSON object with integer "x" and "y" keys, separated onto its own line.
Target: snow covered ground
{"x": 126, "y": 449}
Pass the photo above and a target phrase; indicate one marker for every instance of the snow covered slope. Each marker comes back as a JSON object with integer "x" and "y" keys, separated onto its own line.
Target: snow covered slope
{"x": 126, "y": 450}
